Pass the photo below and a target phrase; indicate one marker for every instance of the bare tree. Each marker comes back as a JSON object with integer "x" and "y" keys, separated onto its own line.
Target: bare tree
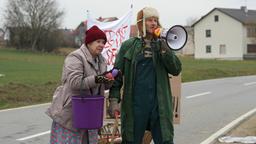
{"x": 37, "y": 18}
{"x": 191, "y": 21}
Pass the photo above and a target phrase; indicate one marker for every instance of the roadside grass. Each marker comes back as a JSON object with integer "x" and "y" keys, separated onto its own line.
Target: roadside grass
{"x": 31, "y": 78}
{"x": 194, "y": 70}
{"x": 28, "y": 77}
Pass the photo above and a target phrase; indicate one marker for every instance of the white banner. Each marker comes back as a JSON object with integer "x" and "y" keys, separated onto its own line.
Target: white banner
{"x": 116, "y": 31}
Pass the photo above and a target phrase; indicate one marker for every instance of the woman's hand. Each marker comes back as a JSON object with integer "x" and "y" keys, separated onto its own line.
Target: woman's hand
{"x": 103, "y": 79}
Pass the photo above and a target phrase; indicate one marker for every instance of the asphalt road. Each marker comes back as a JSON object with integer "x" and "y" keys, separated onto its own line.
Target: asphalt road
{"x": 206, "y": 107}
{"x": 209, "y": 105}
{"x": 29, "y": 125}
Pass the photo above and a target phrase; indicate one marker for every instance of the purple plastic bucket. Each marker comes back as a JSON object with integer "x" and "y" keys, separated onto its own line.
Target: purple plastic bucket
{"x": 87, "y": 111}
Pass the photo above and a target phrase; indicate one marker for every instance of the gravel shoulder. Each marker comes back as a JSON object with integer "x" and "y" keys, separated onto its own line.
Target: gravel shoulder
{"x": 246, "y": 128}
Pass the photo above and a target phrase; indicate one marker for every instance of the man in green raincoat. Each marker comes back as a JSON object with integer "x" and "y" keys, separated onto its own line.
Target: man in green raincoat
{"x": 145, "y": 62}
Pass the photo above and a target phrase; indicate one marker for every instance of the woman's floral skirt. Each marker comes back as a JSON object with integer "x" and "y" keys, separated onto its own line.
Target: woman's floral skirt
{"x": 61, "y": 135}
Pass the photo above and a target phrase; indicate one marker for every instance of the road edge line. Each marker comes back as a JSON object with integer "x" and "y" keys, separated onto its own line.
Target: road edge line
{"x": 33, "y": 136}
{"x": 30, "y": 106}
{"x": 228, "y": 127}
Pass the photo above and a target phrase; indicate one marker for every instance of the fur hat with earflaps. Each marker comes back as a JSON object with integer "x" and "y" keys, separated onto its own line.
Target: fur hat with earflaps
{"x": 146, "y": 12}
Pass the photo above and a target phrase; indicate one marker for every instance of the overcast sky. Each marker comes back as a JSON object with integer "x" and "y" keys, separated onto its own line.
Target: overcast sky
{"x": 171, "y": 11}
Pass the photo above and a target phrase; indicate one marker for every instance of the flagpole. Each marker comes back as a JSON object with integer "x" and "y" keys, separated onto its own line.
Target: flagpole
{"x": 131, "y": 3}
{"x": 87, "y": 14}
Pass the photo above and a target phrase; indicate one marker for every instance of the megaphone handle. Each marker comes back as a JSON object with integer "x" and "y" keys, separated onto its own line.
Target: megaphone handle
{"x": 164, "y": 46}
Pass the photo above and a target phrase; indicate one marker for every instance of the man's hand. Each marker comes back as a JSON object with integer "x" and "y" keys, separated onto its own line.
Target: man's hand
{"x": 113, "y": 108}
{"x": 164, "y": 46}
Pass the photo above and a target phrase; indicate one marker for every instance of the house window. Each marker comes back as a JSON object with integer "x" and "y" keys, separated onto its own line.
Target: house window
{"x": 251, "y": 48}
{"x": 208, "y": 48}
{"x": 208, "y": 33}
{"x": 216, "y": 18}
{"x": 251, "y": 31}
{"x": 222, "y": 49}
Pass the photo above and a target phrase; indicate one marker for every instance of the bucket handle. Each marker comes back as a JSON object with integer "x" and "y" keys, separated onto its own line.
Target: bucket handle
{"x": 81, "y": 86}
{"x": 82, "y": 81}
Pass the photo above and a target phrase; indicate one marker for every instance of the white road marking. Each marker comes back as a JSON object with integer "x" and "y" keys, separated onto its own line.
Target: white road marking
{"x": 33, "y": 136}
{"x": 228, "y": 127}
{"x": 197, "y": 95}
{"x": 251, "y": 83}
{"x": 31, "y": 106}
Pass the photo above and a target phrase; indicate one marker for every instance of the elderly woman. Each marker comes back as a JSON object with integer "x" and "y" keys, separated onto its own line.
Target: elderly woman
{"x": 84, "y": 64}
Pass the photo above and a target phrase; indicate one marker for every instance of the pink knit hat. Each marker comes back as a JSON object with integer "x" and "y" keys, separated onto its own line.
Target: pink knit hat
{"x": 94, "y": 33}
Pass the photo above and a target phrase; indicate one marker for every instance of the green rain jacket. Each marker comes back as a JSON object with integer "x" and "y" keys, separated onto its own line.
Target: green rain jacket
{"x": 164, "y": 63}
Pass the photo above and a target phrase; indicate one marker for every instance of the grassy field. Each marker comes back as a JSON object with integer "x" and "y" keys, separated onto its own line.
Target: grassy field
{"x": 194, "y": 70}
{"x": 30, "y": 78}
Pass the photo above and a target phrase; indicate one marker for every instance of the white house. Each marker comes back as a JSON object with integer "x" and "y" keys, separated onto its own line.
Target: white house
{"x": 189, "y": 48}
{"x": 226, "y": 34}
{"x": 7, "y": 35}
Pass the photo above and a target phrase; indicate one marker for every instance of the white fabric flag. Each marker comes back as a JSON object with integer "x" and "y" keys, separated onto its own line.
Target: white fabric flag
{"x": 116, "y": 31}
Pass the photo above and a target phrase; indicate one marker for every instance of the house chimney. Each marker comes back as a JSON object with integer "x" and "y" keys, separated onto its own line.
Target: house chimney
{"x": 244, "y": 8}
